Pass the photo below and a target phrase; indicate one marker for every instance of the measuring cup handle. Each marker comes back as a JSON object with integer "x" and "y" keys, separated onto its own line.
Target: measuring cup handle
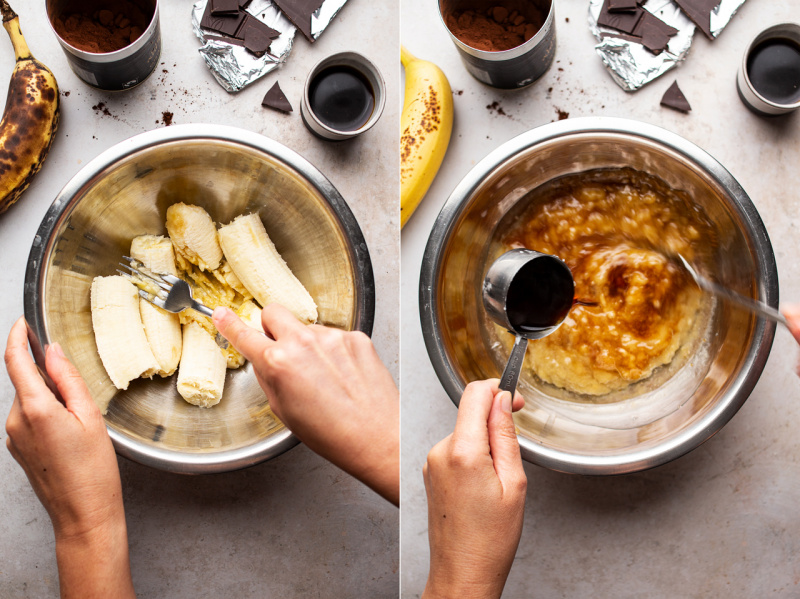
{"x": 508, "y": 382}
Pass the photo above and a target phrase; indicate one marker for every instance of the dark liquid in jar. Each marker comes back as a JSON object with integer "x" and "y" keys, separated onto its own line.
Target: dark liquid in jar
{"x": 341, "y": 97}
{"x": 773, "y": 67}
{"x": 540, "y": 296}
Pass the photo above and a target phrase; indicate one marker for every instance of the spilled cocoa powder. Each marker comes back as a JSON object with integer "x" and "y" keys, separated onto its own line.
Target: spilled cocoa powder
{"x": 101, "y": 27}
{"x": 494, "y": 26}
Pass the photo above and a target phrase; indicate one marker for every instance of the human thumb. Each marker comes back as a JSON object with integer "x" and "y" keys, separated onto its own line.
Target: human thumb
{"x": 68, "y": 381}
{"x": 792, "y": 314}
{"x": 503, "y": 442}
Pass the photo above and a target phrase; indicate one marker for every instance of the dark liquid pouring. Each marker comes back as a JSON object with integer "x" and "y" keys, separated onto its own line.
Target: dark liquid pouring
{"x": 341, "y": 97}
{"x": 540, "y": 296}
{"x": 773, "y": 67}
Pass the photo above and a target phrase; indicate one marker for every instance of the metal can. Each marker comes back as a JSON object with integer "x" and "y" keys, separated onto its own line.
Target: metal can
{"x": 112, "y": 71}
{"x": 508, "y": 69}
{"x": 747, "y": 81}
{"x": 374, "y": 84}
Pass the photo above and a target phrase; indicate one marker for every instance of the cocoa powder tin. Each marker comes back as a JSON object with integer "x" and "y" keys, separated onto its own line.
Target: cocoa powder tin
{"x": 507, "y": 44}
{"x": 112, "y": 45}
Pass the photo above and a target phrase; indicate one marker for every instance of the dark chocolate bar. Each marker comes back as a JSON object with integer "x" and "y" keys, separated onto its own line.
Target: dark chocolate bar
{"x": 221, "y": 24}
{"x": 299, "y": 13}
{"x": 621, "y": 21}
{"x": 699, "y": 11}
{"x": 224, "y": 8}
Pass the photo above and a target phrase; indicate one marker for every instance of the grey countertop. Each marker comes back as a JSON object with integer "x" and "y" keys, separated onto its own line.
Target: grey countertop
{"x": 720, "y": 521}
{"x": 295, "y": 526}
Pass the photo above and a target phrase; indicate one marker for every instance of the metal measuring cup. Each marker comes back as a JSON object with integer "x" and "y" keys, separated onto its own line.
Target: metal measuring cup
{"x": 515, "y": 272}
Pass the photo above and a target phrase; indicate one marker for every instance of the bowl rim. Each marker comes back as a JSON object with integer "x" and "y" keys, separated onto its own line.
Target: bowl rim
{"x": 753, "y": 364}
{"x": 65, "y": 202}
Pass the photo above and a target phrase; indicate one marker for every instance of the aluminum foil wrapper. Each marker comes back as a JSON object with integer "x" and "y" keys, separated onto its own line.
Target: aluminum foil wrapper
{"x": 233, "y": 66}
{"x": 324, "y": 15}
{"x": 631, "y": 64}
{"x": 722, "y": 15}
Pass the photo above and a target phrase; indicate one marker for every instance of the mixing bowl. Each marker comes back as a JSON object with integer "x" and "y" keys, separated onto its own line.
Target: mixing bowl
{"x": 653, "y": 421}
{"x": 125, "y": 192}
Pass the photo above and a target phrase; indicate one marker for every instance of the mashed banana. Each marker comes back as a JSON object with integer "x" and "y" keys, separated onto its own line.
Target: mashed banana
{"x": 608, "y": 227}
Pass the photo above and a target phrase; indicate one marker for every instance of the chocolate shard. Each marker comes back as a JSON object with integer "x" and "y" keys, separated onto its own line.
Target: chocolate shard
{"x": 276, "y": 99}
{"x": 244, "y": 3}
{"x": 622, "y": 5}
{"x": 621, "y": 21}
{"x": 257, "y": 36}
{"x": 649, "y": 19}
{"x": 299, "y": 13}
{"x": 654, "y": 38}
{"x": 224, "y": 7}
{"x": 699, "y": 11}
{"x": 674, "y": 98}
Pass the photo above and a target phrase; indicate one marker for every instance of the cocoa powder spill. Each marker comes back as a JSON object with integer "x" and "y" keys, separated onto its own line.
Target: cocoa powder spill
{"x": 102, "y": 27}
{"x": 495, "y": 26}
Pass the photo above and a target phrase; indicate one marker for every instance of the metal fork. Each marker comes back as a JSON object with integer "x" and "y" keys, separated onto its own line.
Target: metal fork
{"x": 732, "y": 296}
{"x": 173, "y": 294}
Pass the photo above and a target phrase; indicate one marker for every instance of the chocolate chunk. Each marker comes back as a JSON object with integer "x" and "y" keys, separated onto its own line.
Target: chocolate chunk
{"x": 699, "y": 12}
{"x": 243, "y": 3}
{"x": 276, "y": 99}
{"x": 299, "y": 13}
{"x": 224, "y": 25}
{"x": 224, "y": 7}
{"x": 654, "y": 32}
{"x": 257, "y": 36}
{"x": 674, "y": 98}
{"x": 654, "y": 38}
{"x": 621, "y": 21}
{"x": 622, "y": 5}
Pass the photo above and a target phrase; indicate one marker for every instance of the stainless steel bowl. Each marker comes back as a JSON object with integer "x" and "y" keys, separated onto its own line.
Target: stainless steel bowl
{"x": 652, "y": 424}
{"x": 125, "y": 192}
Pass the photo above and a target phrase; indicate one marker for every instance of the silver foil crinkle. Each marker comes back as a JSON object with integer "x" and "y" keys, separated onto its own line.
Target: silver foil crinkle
{"x": 232, "y": 65}
{"x": 324, "y": 15}
{"x": 630, "y": 64}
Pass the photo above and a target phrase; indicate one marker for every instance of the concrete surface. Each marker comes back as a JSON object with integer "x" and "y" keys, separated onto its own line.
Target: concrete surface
{"x": 720, "y": 522}
{"x": 292, "y": 527}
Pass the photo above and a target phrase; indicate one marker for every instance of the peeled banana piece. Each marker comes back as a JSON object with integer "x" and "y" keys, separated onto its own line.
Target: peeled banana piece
{"x": 425, "y": 127}
{"x": 30, "y": 118}
{"x": 194, "y": 236}
{"x": 258, "y": 265}
{"x": 201, "y": 375}
{"x": 156, "y": 253}
{"x": 162, "y": 328}
{"x": 118, "y": 331}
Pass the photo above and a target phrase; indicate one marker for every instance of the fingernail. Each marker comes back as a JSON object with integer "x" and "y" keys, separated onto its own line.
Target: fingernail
{"x": 58, "y": 351}
{"x": 220, "y": 314}
{"x": 505, "y": 401}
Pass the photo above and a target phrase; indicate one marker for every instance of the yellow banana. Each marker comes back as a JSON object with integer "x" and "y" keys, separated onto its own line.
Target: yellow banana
{"x": 425, "y": 128}
{"x": 30, "y": 119}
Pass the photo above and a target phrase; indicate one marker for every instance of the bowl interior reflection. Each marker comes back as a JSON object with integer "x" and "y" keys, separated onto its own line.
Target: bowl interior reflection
{"x": 566, "y": 431}
{"x": 129, "y": 198}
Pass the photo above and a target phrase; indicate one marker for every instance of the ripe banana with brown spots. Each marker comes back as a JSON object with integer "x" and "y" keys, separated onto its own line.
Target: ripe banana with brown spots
{"x": 30, "y": 118}
{"x": 425, "y": 127}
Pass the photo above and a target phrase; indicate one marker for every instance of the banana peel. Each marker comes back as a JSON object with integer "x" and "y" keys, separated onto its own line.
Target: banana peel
{"x": 30, "y": 118}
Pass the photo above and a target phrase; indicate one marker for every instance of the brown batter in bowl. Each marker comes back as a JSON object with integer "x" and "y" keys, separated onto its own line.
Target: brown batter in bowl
{"x": 615, "y": 229}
